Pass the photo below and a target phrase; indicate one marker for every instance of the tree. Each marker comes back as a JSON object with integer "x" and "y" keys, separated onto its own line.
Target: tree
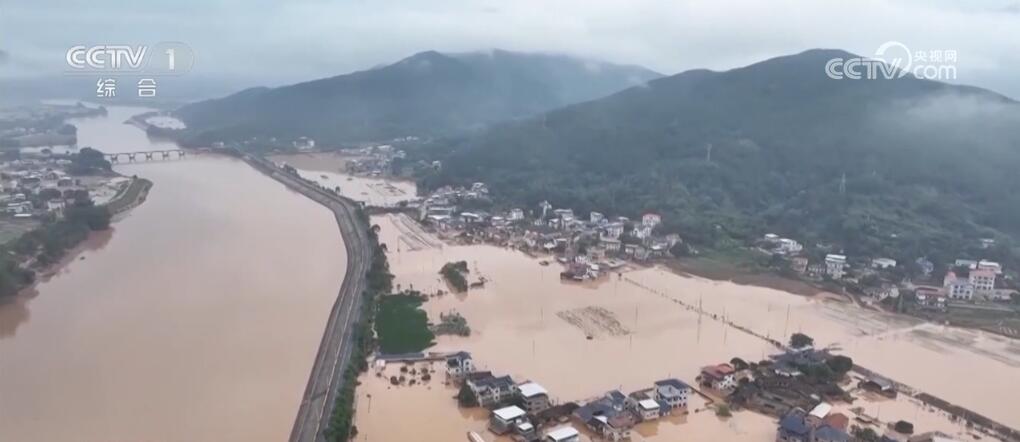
{"x": 864, "y": 434}
{"x": 840, "y": 364}
{"x": 88, "y": 161}
{"x": 465, "y": 397}
{"x": 723, "y": 410}
{"x": 904, "y": 427}
{"x": 738, "y": 364}
{"x": 798, "y": 340}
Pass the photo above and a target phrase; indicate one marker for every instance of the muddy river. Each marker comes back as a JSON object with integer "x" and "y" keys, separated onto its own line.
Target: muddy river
{"x": 196, "y": 318}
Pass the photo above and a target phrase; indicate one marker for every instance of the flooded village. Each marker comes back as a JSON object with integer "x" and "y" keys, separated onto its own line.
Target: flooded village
{"x": 579, "y": 332}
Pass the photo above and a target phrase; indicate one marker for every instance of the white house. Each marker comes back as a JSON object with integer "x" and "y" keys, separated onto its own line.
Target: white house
{"x": 651, "y": 219}
{"x": 672, "y": 393}
{"x": 563, "y": 434}
{"x": 835, "y": 265}
{"x": 596, "y": 218}
{"x": 459, "y": 365}
{"x": 990, "y": 265}
{"x": 720, "y": 377}
{"x": 534, "y": 396}
{"x": 648, "y": 409}
{"x": 516, "y": 215}
{"x": 504, "y": 419}
{"x": 641, "y": 231}
{"x": 614, "y": 230}
{"x": 957, "y": 287}
{"x": 983, "y": 280}
{"x": 968, "y": 263}
{"x": 883, "y": 263}
{"x": 788, "y": 246}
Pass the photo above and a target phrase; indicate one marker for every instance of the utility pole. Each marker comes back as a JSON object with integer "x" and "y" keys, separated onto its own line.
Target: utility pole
{"x": 708, "y": 153}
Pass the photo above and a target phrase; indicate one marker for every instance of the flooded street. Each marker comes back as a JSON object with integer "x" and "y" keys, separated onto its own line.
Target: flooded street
{"x": 196, "y": 319}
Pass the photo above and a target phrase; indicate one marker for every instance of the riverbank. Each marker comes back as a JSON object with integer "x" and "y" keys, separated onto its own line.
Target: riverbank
{"x": 132, "y": 196}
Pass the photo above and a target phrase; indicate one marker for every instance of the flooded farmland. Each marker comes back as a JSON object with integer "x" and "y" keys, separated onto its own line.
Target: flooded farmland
{"x": 625, "y": 331}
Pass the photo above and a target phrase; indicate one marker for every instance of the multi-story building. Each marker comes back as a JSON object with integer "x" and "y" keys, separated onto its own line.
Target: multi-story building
{"x": 835, "y": 265}
{"x": 983, "y": 280}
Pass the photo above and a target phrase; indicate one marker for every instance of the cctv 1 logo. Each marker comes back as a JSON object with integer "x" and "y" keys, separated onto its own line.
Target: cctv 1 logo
{"x": 168, "y": 58}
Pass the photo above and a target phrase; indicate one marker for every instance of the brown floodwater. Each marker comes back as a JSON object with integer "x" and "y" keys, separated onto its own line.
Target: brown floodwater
{"x": 527, "y": 323}
{"x": 327, "y": 169}
{"x": 197, "y": 319}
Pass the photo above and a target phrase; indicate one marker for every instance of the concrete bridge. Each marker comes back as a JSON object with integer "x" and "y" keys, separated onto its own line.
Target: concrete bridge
{"x": 150, "y": 155}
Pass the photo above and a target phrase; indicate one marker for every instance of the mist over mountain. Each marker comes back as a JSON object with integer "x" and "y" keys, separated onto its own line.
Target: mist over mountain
{"x": 900, "y": 167}
{"x": 427, "y": 94}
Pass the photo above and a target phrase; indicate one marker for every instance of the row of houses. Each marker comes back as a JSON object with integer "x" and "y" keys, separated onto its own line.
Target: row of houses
{"x": 817, "y": 425}
{"x": 521, "y": 409}
{"x": 613, "y": 415}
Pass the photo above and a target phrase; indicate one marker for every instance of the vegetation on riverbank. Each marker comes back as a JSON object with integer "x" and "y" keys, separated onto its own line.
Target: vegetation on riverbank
{"x": 379, "y": 281}
{"x": 47, "y": 244}
{"x": 453, "y": 273}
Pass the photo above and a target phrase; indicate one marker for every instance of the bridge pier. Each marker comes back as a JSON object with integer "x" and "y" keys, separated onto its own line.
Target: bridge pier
{"x": 151, "y": 155}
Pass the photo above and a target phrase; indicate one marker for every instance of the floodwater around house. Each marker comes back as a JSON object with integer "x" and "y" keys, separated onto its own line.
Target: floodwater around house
{"x": 527, "y": 323}
{"x": 196, "y": 318}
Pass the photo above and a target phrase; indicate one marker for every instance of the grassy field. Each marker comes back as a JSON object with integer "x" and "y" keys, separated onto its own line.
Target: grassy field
{"x": 401, "y": 324}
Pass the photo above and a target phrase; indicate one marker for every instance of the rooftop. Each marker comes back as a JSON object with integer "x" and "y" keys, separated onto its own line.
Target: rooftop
{"x": 509, "y": 413}
{"x": 821, "y": 410}
{"x": 561, "y": 434}
{"x": 648, "y": 404}
{"x": 531, "y": 389}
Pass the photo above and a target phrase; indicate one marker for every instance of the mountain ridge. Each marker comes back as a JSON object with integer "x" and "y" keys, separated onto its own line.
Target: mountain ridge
{"x": 426, "y": 94}
{"x": 766, "y": 146}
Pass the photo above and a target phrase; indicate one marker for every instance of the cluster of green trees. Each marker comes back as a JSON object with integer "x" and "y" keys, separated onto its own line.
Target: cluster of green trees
{"x": 454, "y": 273}
{"x": 48, "y": 243}
{"x": 89, "y": 161}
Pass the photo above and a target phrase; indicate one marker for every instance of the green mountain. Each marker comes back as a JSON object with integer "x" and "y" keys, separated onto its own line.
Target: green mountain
{"x": 902, "y": 167}
{"x": 427, "y": 94}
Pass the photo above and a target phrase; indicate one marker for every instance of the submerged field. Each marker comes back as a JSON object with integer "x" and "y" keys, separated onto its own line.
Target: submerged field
{"x": 628, "y": 330}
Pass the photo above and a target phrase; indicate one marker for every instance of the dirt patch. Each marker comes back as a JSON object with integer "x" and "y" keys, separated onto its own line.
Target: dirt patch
{"x": 721, "y": 271}
{"x": 595, "y": 322}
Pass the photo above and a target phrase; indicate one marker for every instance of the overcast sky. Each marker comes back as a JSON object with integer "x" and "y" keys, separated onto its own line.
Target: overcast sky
{"x": 275, "y": 42}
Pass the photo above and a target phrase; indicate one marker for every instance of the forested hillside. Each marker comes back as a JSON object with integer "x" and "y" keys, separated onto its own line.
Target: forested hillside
{"x": 902, "y": 167}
